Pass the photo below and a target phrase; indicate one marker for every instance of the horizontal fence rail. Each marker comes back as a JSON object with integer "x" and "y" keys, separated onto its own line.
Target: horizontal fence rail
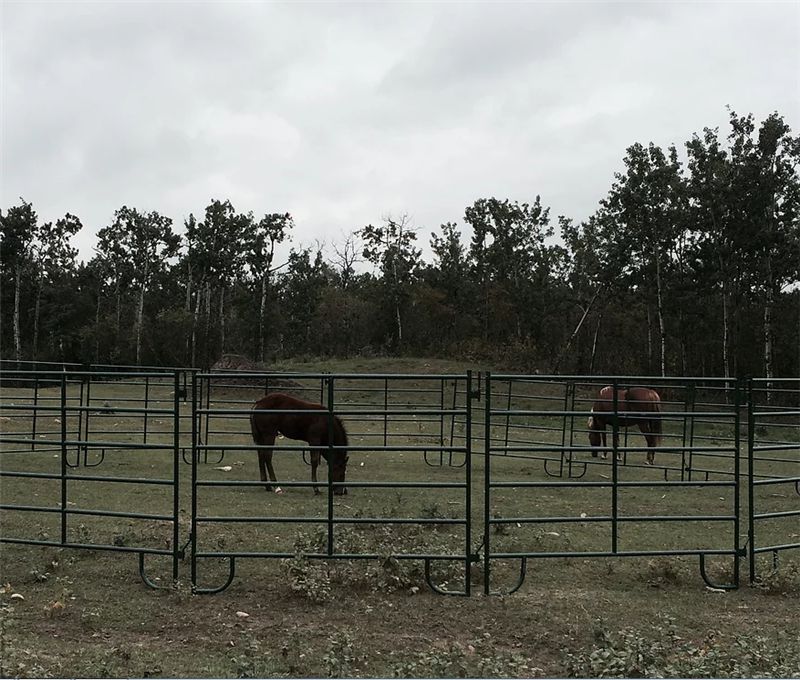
{"x": 397, "y": 419}
{"x": 773, "y": 468}
{"x": 547, "y": 419}
{"x": 91, "y": 457}
{"x": 54, "y": 430}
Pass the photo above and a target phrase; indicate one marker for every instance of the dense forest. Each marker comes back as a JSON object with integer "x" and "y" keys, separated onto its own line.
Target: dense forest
{"x": 689, "y": 266}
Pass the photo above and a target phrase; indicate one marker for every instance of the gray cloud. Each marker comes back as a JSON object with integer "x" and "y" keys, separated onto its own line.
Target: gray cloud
{"x": 344, "y": 113}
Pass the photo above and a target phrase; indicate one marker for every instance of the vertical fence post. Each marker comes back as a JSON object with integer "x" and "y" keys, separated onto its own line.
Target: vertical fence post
{"x": 614, "y": 469}
{"x": 176, "y": 470}
{"x": 385, "y": 409}
{"x": 468, "y": 481}
{"x": 88, "y": 379}
{"x": 508, "y": 417}
{"x": 441, "y": 420}
{"x": 146, "y": 406}
{"x": 691, "y": 408}
{"x": 64, "y": 457}
{"x": 487, "y": 473}
{"x": 207, "y": 417}
{"x": 35, "y": 409}
{"x": 453, "y": 417}
{"x": 193, "y": 530}
{"x": 568, "y": 388}
{"x": 688, "y": 404}
{"x": 751, "y": 524}
{"x": 737, "y": 400}
{"x": 330, "y": 464}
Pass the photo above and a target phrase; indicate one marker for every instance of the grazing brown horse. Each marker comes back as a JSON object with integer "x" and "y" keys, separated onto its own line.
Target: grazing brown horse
{"x": 639, "y": 406}
{"x": 309, "y": 423}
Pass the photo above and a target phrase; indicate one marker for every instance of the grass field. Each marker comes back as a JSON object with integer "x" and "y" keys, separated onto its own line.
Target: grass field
{"x": 87, "y": 613}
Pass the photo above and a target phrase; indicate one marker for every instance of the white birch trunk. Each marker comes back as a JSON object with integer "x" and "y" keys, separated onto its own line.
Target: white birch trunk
{"x": 261, "y": 311}
{"x": 140, "y": 314}
{"x": 36, "y": 311}
{"x": 17, "y": 333}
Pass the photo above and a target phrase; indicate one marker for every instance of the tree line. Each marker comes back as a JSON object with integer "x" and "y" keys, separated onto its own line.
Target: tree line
{"x": 689, "y": 266}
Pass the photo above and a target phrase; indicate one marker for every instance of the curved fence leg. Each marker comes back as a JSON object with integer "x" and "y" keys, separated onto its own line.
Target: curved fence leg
{"x": 575, "y": 464}
{"x": 553, "y": 474}
{"x": 437, "y": 589}
{"x": 86, "y": 462}
{"x": 717, "y": 586}
{"x": 77, "y": 462}
{"x": 216, "y": 462}
{"x": 523, "y": 570}
{"x": 428, "y": 463}
{"x": 145, "y": 578}
{"x": 464, "y": 462}
{"x": 219, "y": 589}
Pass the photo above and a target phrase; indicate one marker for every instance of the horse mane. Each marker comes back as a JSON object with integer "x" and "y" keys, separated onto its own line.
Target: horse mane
{"x": 339, "y": 433}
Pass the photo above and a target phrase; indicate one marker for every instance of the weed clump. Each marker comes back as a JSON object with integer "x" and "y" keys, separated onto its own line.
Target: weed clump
{"x": 662, "y": 652}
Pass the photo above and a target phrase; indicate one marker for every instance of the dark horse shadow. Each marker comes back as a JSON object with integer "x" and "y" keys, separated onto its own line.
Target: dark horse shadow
{"x": 636, "y": 406}
{"x": 305, "y": 421}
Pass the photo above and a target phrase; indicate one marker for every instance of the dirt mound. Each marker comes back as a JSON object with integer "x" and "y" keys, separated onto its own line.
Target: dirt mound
{"x": 236, "y": 363}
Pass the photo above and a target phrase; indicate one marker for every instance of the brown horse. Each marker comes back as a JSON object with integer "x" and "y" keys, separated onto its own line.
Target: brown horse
{"x": 639, "y": 406}
{"x": 310, "y": 423}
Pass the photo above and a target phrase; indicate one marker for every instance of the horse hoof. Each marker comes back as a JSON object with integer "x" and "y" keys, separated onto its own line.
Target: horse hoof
{"x": 278, "y": 489}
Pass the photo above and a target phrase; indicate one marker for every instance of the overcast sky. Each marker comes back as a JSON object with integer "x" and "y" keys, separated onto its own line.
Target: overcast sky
{"x": 342, "y": 114}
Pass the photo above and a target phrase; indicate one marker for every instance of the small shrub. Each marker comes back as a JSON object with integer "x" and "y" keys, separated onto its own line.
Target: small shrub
{"x": 308, "y": 578}
{"x": 340, "y": 658}
{"x": 782, "y": 581}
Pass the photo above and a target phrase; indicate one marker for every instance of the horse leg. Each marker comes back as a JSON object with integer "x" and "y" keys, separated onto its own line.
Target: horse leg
{"x": 272, "y": 473}
{"x": 265, "y": 463}
{"x": 652, "y": 442}
{"x": 314, "y": 465}
{"x": 616, "y": 445}
{"x": 265, "y": 460}
{"x": 605, "y": 444}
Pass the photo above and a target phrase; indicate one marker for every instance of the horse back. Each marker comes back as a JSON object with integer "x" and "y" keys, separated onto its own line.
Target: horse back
{"x": 643, "y": 399}
{"x": 635, "y": 399}
{"x": 308, "y": 422}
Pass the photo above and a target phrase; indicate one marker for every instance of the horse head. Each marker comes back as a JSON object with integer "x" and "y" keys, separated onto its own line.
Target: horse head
{"x": 338, "y": 471}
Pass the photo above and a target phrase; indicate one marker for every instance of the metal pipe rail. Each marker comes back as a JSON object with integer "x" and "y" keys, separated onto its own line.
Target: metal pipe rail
{"x": 337, "y": 400}
{"x": 744, "y": 431}
{"x": 537, "y": 419}
{"x": 72, "y": 406}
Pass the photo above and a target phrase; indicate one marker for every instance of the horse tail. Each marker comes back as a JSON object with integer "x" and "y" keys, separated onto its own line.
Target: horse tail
{"x": 254, "y": 424}
{"x": 655, "y": 423}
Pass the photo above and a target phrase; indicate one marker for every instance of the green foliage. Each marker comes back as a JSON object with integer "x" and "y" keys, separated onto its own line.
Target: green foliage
{"x": 340, "y": 657}
{"x": 317, "y": 580}
{"x": 659, "y": 651}
{"x": 478, "y": 659}
{"x": 784, "y": 580}
{"x": 687, "y": 269}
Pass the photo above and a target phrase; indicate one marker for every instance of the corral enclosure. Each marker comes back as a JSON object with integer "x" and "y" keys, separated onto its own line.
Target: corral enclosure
{"x": 477, "y": 479}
